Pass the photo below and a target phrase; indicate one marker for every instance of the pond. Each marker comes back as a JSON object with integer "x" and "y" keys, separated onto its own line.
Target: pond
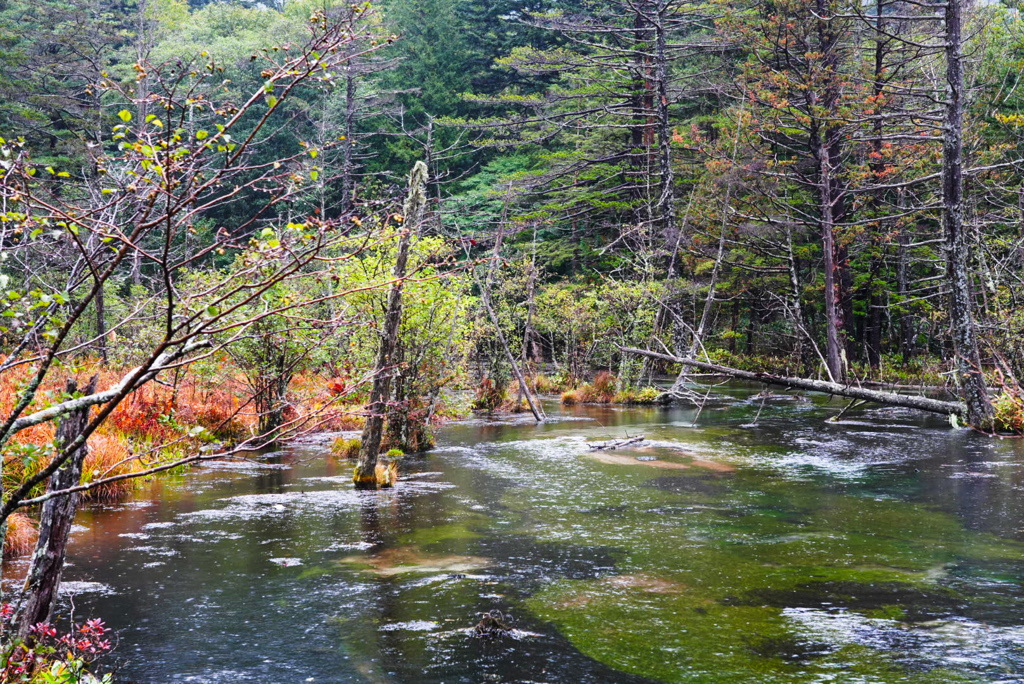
{"x": 743, "y": 548}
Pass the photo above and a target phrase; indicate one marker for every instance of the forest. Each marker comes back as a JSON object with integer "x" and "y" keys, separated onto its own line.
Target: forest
{"x": 561, "y": 309}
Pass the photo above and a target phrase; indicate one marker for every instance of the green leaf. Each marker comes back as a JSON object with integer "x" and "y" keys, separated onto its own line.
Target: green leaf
{"x": 201, "y": 135}
{"x": 125, "y": 115}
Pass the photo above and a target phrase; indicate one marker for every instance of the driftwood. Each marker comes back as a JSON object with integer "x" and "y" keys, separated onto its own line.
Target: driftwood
{"x": 946, "y": 408}
{"x": 614, "y": 444}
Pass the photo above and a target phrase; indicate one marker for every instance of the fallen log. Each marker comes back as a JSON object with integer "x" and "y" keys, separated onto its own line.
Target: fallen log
{"x": 946, "y": 408}
{"x": 614, "y": 444}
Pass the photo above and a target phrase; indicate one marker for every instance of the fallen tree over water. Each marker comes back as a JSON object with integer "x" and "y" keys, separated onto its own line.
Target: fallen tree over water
{"x": 946, "y": 408}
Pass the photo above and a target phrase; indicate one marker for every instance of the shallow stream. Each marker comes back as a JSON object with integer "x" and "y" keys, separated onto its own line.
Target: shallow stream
{"x": 886, "y": 548}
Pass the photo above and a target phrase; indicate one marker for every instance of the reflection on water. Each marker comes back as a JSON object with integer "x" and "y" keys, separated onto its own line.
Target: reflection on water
{"x": 886, "y": 548}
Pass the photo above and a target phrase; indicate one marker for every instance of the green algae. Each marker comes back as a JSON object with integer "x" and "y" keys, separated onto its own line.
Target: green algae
{"x": 448, "y": 535}
{"x": 739, "y": 550}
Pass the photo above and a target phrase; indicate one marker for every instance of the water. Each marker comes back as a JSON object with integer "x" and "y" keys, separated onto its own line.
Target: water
{"x": 887, "y": 548}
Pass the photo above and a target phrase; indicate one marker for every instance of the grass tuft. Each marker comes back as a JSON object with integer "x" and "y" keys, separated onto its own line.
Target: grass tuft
{"x": 21, "y": 536}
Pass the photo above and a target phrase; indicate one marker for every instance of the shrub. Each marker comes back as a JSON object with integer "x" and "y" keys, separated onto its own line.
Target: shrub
{"x": 589, "y": 394}
{"x": 47, "y": 658}
{"x": 1009, "y": 411}
{"x": 604, "y": 387}
{"x": 489, "y": 396}
{"x": 542, "y": 384}
{"x": 108, "y": 455}
{"x": 394, "y": 453}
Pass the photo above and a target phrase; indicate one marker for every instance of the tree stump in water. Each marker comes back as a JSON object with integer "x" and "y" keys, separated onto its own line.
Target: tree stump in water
{"x": 494, "y": 625}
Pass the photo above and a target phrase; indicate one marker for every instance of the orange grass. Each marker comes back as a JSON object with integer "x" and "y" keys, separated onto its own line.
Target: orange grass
{"x": 386, "y": 474}
{"x": 21, "y": 535}
{"x": 157, "y": 415}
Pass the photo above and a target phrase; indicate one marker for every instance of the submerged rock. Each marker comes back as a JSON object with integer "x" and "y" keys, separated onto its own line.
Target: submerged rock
{"x": 392, "y": 562}
{"x": 655, "y": 462}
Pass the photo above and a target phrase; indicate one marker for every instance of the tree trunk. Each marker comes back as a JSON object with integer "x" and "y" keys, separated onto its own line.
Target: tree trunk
{"x": 348, "y": 174}
{"x": 833, "y": 310}
{"x": 535, "y": 407}
{"x": 101, "y": 325}
{"x": 666, "y": 199}
{"x": 55, "y": 522}
{"x": 967, "y": 359}
{"x": 365, "y": 474}
{"x": 528, "y": 333}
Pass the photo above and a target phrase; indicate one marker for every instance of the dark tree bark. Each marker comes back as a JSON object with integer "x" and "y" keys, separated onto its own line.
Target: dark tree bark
{"x": 55, "y": 522}
{"x": 967, "y": 359}
{"x": 415, "y": 204}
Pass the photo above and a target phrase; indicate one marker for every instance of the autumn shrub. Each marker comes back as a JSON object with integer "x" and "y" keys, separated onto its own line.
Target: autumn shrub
{"x": 601, "y": 391}
{"x": 338, "y": 420}
{"x": 489, "y": 396}
{"x": 604, "y": 386}
{"x": 223, "y": 422}
{"x": 21, "y": 535}
{"x": 48, "y": 657}
{"x": 1009, "y": 410}
{"x": 11, "y": 382}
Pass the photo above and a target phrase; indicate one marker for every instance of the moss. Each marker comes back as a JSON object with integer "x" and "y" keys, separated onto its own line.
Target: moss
{"x": 444, "y": 536}
{"x": 687, "y": 636}
{"x": 346, "y": 448}
{"x": 648, "y": 396}
{"x": 741, "y": 552}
